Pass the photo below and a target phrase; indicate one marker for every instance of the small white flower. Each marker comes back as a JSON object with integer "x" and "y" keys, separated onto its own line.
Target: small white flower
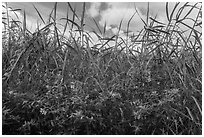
{"x": 43, "y": 111}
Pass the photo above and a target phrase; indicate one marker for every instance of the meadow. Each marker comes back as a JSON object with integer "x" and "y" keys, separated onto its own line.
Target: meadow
{"x": 58, "y": 85}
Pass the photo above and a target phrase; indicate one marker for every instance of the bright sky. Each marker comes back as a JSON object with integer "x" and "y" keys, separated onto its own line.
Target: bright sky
{"x": 102, "y": 12}
{"x": 110, "y": 13}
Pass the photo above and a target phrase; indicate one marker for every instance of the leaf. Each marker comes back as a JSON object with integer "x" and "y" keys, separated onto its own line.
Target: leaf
{"x": 197, "y": 104}
{"x": 156, "y": 21}
{"x": 16, "y": 10}
{"x": 14, "y": 21}
{"x": 172, "y": 13}
{"x": 193, "y": 7}
{"x": 46, "y": 27}
{"x": 159, "y": 26}
{"x": 108, "y": 40}
{"x": 180, "y": 113}
{"x": 199, "y": 24}
{"x": 67, "y": 22}
{"x": 104, "y": 28}
{"x": 190, "y": 113}
{"x": 39, "y": 14}
{"x": 140, "y": 16}
{"x": 197, "y": 38}
{"x": 55, "y": 12}
{"x": 24, "y": 23}
{"x": 4, "y": 23}
{"x": 99, "y": 37}
{"x": 160, "y": 30}
{"x": 83, "y": 13}
{"x": 167, "y": 11}
{"x": 147, "y": 13}
{"x": 128, "y": 25}
{"x": 71, "y": 22}
{"x": 3, "y": 6}
{"x": 50, "y": 16}
{"x": 69, "y": 46}
{"x": 120, "y": 25}
{"x": 150, "y": 29}
{"x": 16, "y": 62}
{"x": 97, "y": 25}
{"x": 180, "y": 11}
{"x": 74, "y": 11}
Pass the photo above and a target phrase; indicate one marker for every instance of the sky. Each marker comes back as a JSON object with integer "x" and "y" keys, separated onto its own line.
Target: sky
{"x": 109, "y": 13}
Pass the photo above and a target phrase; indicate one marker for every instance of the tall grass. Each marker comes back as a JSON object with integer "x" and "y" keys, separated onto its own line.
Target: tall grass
{"x": 54, "y": 84}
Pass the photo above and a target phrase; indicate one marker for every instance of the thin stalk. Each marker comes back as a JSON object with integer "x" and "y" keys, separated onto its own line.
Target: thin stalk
{"x": 8, "y": 29}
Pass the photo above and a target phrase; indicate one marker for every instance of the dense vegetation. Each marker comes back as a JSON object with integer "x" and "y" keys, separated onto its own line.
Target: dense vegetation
{"x": 52, "y": 84}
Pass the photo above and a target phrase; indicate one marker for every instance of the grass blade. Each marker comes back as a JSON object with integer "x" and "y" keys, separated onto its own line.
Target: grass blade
{"x": 82, "y": 25}
{"x": 180, "y": 11}
{"x": 197, "y": 38}
{"x": 73, "y": 10}
{"x": 39, "y": 14}
{"x": 74, "y": 23}
{"x": 104, "y": 28}
{"x": 83, "y": 13}
{"x": 172, "y": 13}
{"x": 97, "y": 26}
{"x": 156, "y": 21}
{"x": 108, "y": 40}
{"x": 66, "y": 24}
{"x": 64, "y": 65}
{"x": 160, "y": 30}
{"x": 24, "y": 23}
{"x": 193, "y": 7}
{"x": 147, "y": 13}
{"x": 197, "y": 104}
{"x": 116, "y": 40}
{"x": 128, "y": 25}
{"x": 15, "y": 10}
{"x": 167, "y": 11}
{"x": 140, "y": 17}
{"x": 190, "y": 114}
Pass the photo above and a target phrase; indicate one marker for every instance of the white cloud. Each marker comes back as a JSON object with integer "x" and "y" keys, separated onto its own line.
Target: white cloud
{"x": 94, "y": 9}
{"x": 115, "y": 31}
{"x": 116, "y": 12}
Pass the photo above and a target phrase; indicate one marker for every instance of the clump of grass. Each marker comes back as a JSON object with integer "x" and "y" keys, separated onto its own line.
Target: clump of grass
{"x": 54, "y": 84}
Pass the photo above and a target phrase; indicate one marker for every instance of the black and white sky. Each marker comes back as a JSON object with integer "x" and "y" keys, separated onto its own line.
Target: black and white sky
{"x": 110, "y": 13}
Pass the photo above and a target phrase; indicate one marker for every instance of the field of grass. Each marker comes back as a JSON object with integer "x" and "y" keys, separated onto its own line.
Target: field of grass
{"x": 52, "y": 84}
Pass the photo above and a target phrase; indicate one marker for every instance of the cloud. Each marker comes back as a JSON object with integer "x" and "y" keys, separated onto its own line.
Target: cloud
{"x": 109, "y": 13}
{"x": 93, "y": 11}
{"x": 117, "y": 12}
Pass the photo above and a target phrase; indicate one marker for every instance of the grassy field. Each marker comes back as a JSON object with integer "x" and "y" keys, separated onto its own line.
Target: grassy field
{"x": 52, "y": 84}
